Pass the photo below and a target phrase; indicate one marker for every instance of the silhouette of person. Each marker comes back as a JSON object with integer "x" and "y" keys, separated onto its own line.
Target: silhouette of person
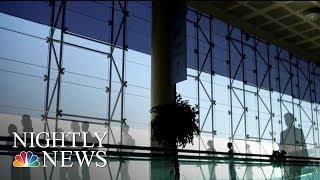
{"x": 292, "y": 141}
{"x": 11, "y": 129}
{"x": 232, "y": 170}
{"x": 249, "y": 172}
{"x": 129, "y": 141}
{"x": 73, "y": 172}
{"x": 212, "y": 164}
{"x": 26, "y": 123}
{"x": 15, "y": 172}
{"x": 90, "y": 138}
{"x": 27, "y": 127}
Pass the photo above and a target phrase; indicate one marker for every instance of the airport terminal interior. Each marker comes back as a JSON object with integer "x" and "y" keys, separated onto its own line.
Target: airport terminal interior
{"x": 245, "y": 76}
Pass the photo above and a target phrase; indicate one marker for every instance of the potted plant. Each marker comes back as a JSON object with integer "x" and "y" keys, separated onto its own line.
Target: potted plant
{"x": 175, "y": 125}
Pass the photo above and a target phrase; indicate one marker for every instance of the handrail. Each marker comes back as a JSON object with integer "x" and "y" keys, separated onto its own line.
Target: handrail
{"x": 161, "y": 152}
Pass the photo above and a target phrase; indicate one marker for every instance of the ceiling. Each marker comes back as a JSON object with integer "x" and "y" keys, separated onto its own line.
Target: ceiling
{"x": 280, "y": 22}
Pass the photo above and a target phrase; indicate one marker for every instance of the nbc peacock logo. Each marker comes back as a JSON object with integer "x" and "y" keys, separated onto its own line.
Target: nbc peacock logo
{"x": 26, "y": 159}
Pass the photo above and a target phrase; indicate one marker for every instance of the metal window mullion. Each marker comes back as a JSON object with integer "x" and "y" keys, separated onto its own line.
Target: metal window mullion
{"x": 48, "y": 73}
{"x": 205, "y": 60}
{"x": 198, "y": 71}
{"x": 265, "y": 128}
{"x": 280, "y": 92}
{"x": 244, "y": 82}
{"x": 299, "y": 97}
{"x": 242, "y": 114}
{"x": 123, "y": 85}
{"x": 111, "y": 23}
{"x": 236, "y": 72}
{"x": 205, "y": 119}
{"x": 315, "y": 101}
{"x": 257, "y": 87}
{"x": 60, "y": 69}
{"x": 270, "y": 93}
{"x": 237, "y": 97}
{"x": 230, "y": 80}
{"x": 312, "y": 115}
{"x": 212, "y": 73}
{"x": 292, "y": 101}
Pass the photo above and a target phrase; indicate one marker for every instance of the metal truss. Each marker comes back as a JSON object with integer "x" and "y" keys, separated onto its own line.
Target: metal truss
{"x": 118, "y": 40}
{"x": 293, "y": 66}
{"x": 115, "y": 34}
{"x": 203, "y": 60}
{"x": 263, "y": 77}
{"x": 239, "y": 66}
{"x": 260, "y": 58}
{"x": 232, "y": 89}
{"x": 53, "y": 86}
{"x": 291, "y": 70}
{"x": 58, "y": 11}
